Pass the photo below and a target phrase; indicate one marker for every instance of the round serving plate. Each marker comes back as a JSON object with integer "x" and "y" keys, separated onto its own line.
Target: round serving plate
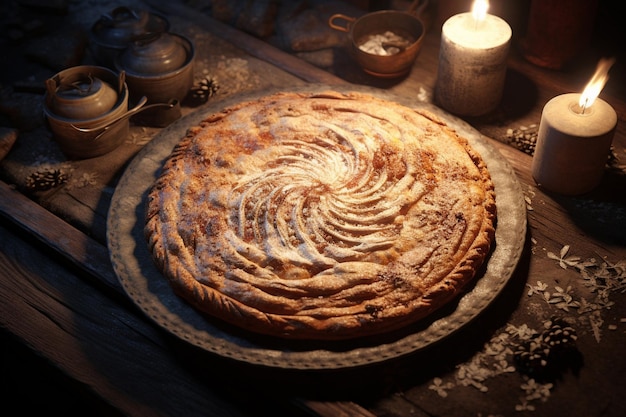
{"x": 151, "y": 292}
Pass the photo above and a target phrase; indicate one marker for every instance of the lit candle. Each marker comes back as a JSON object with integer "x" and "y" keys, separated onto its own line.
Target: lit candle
{"x": 472, "y": 61}
{"x": 574, "y": 138}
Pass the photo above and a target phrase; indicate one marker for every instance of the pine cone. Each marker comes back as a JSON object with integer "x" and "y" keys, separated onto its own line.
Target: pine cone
{"x": 547, "y": 353}
{"x": 532, "y": 357}
{"x": 559, "y": 336}
{"x": 205, "y": 89}
{"x": 45, "y": 180}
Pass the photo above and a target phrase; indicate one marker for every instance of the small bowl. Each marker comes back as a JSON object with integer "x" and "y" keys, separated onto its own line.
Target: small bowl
{"x": 87, "y": 143}
{"x": 403, "y": 24}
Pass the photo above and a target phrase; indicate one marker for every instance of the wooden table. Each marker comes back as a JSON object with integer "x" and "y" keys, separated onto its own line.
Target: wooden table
{"x": 62, "y": 300}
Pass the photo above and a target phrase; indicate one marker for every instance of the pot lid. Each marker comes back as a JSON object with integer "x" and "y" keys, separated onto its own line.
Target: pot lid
{"x": 80, "y": 96}
{"x": 123, "y": 25}
{"x": 156, "y": 53}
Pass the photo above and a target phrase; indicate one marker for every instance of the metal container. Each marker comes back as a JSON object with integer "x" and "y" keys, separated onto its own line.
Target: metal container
{"x": 402, "y": 24}
{"x": 160, "y": 68}
{"x": 114, "y": 31}
{"x": 85, "y": 107}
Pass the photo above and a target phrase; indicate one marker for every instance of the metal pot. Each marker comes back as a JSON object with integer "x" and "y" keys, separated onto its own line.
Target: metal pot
{"x": 161, "y": 69}
{"x": 103, "y": 103}
{"x": 114, "y": 31}
{"x": 404, "y": 25}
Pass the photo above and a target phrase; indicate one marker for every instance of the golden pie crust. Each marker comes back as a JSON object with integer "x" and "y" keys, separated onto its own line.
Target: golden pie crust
{"x": 321, "y": 216}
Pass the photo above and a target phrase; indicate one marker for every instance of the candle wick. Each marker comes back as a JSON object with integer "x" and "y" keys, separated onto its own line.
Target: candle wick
{"x": 477, "y": 24}
{"x": 585, "y": 106}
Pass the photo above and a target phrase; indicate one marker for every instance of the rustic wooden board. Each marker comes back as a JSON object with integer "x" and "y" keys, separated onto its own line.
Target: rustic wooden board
{"x": 66, "y": 240}
{"x": 100, "y": 342}
{"x": 38, "y": 302}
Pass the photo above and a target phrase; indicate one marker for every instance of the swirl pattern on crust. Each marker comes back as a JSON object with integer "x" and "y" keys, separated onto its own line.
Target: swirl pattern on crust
{"x": 320, "y": 216}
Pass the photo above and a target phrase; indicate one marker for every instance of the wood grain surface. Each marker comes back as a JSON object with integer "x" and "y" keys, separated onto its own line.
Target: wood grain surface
{"x": 60, "y": 298}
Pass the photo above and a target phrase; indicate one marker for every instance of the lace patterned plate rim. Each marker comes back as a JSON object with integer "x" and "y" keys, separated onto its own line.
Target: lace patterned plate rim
{"x": 147, "y": 288}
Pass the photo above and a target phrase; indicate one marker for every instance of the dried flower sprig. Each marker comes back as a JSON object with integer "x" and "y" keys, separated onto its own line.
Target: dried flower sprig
{"x": 498, "y": 357}
{"x": 600, "y": 277}
{"x": 563, "y": 259}
{"x": 541, "y": 356}
{"x": 84, "y": 180}
{"x": 534, "y": 391}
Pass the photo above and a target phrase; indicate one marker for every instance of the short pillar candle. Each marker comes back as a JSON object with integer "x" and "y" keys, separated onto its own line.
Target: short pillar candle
{"x": 472, "y": 64}
{"x": 573, "y": 144}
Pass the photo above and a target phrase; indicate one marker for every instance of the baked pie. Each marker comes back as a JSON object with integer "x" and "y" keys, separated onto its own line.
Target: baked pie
{"x": 322, "y": 216}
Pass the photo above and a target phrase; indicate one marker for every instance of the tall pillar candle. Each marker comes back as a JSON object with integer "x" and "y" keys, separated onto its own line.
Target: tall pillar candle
{"x": 472, "y": 64}
{"x": 558, "y": 31}
{"x": 573, "y": 144}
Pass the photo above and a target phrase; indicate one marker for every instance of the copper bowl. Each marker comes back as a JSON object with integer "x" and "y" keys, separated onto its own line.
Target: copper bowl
{"x": 402, "y": 24}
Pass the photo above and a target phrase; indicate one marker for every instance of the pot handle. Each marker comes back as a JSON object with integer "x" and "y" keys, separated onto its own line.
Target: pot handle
{"x": 417, "y": 8}
{"x": 137, "y": 109}
{"x": 349, "y": 20}
{"x": 110, "y": 19}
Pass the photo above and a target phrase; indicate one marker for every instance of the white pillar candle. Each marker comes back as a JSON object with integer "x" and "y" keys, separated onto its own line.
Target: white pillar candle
{"x": 472, "y": 64}
{"x": 573, "y": 144}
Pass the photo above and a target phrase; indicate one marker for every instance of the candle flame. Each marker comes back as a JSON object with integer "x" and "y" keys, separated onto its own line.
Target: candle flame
{"x": 479, "y": 10}
{"x": 596, "y": 84}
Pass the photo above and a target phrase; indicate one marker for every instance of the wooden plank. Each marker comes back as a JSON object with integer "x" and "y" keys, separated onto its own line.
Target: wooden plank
{"x": 337, "y": 409}
{"x": 66, "y": 240}
{"x": 100, "y": 342}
